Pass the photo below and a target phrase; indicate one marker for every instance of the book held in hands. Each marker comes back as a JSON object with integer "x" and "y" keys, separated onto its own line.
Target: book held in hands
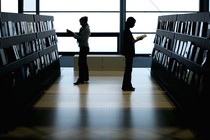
{"x": 140, "y": 37}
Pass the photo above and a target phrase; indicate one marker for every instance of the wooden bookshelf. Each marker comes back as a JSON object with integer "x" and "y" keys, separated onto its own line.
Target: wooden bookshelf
{"x": 180, "y": 61}
{"x": 29, "y": 62}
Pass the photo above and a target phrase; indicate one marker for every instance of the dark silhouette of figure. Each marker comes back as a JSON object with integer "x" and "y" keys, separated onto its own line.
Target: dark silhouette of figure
{"x": 82, "y": 39}
{"x": 129, "y": 53}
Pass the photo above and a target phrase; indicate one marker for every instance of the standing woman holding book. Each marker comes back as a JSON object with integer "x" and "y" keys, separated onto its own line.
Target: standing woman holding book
{"x": 82, "y": 39}
{"x": 129, "y": 53}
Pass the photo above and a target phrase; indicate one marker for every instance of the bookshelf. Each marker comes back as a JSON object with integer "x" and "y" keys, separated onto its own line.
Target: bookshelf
{"x": 180, "y": 61}
{"x": 29, "y": 61}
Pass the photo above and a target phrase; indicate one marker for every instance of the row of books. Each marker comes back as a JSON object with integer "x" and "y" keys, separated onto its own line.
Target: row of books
{"x": 27, "y": 71}
{"x": 47, "y": 59}
{"x": 16, "y": 77}
{"x": 165, "y": 60}
{"x": 166, "y": 25}
{"x": 179, "y": 70}
{"x": 10, "y": 28}
{"x": 183, "y": 48}
{"x": 51, "y": 40}
{"x": 45, "y": 25}
{"x": 162, "y": 41}
{"x": 194, "y": 28}
{"x": 190, "y": 77}
{"x": 189, "y": 50}
{"x": 186, "y": 49}
{"x": 161, "y": 58}
{"x": 30, "y": 69}
{"x": 17, "y": 51}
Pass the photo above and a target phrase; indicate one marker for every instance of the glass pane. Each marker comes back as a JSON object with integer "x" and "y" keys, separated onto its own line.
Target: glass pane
{"x": 79, "y": 5}
{"x": 146, "y": 45}
{"x": 103, "y": 44}
{"x": 162, "y": 5}
{"x": 97, "y": 44}
{"x": 145, "y": 22}
{"x": 67, "y": 44}
{"x": 9, "y": 6}
{"x": 99, "y": 22}
{"x": 29, "y": 5}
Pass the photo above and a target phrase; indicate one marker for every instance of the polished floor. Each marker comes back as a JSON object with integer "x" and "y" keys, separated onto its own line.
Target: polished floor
{"x": 100, "y": 110}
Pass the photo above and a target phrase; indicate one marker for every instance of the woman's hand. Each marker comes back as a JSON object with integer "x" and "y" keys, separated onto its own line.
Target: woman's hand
{"x": 70, "y": 32}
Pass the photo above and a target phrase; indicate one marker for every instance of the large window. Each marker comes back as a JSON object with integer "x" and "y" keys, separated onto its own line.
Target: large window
{"x": 104, "y": 19}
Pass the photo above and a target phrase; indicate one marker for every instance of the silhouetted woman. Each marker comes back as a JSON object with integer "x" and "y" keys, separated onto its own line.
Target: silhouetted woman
{"x": 82, "y": 39}
{"x": 129, "y": 53}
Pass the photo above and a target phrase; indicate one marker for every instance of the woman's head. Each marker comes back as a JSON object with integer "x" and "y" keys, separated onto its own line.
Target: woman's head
{"x": 83, "y": 20}
{"x": 130, "y": 22}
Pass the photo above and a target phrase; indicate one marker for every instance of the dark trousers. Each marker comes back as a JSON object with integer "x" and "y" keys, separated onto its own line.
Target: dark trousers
{"x": 127, "y": 73}
{"x": 82, "y": 63}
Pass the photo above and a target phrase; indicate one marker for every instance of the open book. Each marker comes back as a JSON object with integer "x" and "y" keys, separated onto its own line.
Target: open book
{"x": 141, "y": 37}
{"x": 69, "y": 32}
